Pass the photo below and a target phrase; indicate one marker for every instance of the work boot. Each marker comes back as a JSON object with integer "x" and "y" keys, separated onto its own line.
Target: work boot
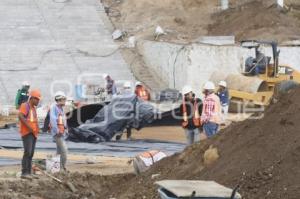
{"x": 26, "y": 176}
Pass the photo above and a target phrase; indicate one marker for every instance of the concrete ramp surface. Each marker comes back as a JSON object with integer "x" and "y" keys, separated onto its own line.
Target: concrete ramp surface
{"x": 53, "y": 43}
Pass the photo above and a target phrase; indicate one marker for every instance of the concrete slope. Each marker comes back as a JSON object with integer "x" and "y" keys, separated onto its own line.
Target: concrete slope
{"x": 55, "y": 44}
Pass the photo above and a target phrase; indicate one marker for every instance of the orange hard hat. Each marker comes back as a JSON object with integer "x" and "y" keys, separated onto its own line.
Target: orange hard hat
{"x": 36, "y": 94}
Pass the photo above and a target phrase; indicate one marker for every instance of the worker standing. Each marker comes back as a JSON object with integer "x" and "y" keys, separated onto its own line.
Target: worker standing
{"x": 191, "y": 108}
{"x": 127, "y": 92}
{"x": 224, "y": 99}
{"x": 29, "y": 130}
{"x": 22, "y": 94}
{"x": 141, "y": 91}
{"x": 59, "y": 126}
{"x": 211, "y": 112}
{"x": 111, "y": 88}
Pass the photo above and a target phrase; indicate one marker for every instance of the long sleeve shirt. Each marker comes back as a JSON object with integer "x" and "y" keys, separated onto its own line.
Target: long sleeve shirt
{"x": 55, "y": 111}
{"x": 211, "y": 109}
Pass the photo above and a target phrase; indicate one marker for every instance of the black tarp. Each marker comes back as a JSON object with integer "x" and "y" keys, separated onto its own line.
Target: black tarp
{"x": 121, "y": 113}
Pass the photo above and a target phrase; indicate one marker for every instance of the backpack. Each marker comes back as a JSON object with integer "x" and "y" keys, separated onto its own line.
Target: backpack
{"x": 17, "y": 98}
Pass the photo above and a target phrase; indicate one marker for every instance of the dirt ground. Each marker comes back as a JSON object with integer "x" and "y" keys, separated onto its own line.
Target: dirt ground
{"x": 184, "y": 20}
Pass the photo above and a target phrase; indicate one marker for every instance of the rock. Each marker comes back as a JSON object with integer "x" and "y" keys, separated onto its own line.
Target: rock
{"x": 155, "y": 176}
{"x": 210, "y": 156}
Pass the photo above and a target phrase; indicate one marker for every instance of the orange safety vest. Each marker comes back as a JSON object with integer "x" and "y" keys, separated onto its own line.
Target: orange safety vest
{"x": 142, "y": 93}
{"x": 32, "y": 120}
{"x": 60, "y": 124}
{"x": 196, "y": 116}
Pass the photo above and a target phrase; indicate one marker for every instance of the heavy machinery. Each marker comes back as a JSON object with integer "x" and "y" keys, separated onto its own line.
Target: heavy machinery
{"x": 263, "y": 78}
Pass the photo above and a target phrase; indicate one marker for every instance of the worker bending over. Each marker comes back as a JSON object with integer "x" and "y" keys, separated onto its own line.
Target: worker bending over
{"x": 141, "y": 91}
{"x": 29, "y": 130}
{"x": 191, "y": 108}
{"x": 224, "y": 99}
{"x": 211, "y": 112}
{"x": 58, "y": 127}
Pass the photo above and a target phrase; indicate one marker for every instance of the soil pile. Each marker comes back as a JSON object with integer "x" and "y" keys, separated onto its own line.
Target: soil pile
{"x": 263, "y": 156}
{"x": 186, "y": 20}
{"x": 257, "y": 20}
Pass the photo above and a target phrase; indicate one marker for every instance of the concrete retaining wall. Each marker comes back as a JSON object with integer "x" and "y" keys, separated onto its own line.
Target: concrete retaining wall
{"x": 194, "y": 64}
{"x": 55, "y": 43}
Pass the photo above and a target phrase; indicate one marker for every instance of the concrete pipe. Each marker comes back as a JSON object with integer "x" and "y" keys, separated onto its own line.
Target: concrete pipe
{"x": 240, "y": 82}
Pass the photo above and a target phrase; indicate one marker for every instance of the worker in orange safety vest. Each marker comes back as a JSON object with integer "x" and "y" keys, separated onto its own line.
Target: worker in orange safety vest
{"x": 29, "y": 130}
{"x": 141, "y": 91}
{"x": 191, "y": 109}
{"x": 58, "y": 126}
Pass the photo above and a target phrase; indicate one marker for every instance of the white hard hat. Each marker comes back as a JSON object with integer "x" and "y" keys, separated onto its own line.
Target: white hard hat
{"x": 60, "y": 95}
{"x": 127, "y": 84}
{"x": 209, "y": 86}
{"x": 104, "y": 75}
{"x": 223, "y": 83}
{"x": 138, "y": 83}
{"x": 25, "y": 83}
{"x": 186, "y": 89}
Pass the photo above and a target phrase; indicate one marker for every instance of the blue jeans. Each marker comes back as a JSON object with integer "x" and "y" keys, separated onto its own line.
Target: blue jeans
{"x": 192, "y": 135}
{"x": 210, "y": 129}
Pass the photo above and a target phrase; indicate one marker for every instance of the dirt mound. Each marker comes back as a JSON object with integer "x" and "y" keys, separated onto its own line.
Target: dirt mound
{"x": 181, "y": 19}
{"x": 263, "y": 156}
{"x": 257, "y": 20}
{"x": 83, "y": 185}
{"x": 186, "y": 20}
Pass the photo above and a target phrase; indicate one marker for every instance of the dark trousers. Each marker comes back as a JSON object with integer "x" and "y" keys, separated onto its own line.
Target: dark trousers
{"x": 29, "y": 146}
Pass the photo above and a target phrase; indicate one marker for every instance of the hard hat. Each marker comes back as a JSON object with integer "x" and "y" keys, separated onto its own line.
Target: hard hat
{"x": 36, "y": 94}
{"x": 25, "y": 83}
{"x": 104, "y": 75}
{"x": 186, "y": 89}
{"x": 223, "y": 83}
{"x": 138, "y": 83}
{"x": 60, "y": 95}
{"x": 209, "y": 86}
{"x": 127, "y": 84}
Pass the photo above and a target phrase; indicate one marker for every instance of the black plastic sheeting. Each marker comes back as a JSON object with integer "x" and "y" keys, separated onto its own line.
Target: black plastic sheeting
{"x": 11, "y": 139}
{"x": 87, "y": 125}
{"x": 87, "y": 112}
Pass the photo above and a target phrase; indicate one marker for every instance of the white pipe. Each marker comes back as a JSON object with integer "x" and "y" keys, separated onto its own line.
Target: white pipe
{"x": 280, "y": 3}
{"x": 224, "y": 4}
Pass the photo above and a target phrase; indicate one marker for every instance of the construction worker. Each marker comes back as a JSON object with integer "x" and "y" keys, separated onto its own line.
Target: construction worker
{"x": 141, "y": 91}
{"x": 211, "y": 112}
{"x": 22, "y": 94}
{"x": 111, "y": 88}
{"x": 126, "y": 93}
{"x": 29, "y": 130}
{"x": 224, "y": 99}
{"x": 191, "y": 108}
{"x": 58, "y": 127}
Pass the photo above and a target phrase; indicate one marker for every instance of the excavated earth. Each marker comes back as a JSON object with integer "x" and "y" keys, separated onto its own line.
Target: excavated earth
{"x": 186, "y": 20}
{"x": 261, "y": 155}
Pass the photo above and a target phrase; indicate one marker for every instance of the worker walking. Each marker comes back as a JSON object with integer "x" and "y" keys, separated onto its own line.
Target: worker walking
{"x": 224, "y": 99}
{"x": 58, "y": 127}
{"x": 211, "y": 112}
{"x": 141, "y": 91}
{"x": 111, "y": 88}
{"x": 22, "y": 94}
{"x": 191, "y": 108}
{"x": 29, "y": 130}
